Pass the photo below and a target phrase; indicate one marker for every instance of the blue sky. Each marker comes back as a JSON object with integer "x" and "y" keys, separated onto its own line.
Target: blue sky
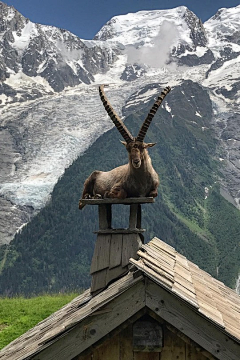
{"x": 86, "y": 17}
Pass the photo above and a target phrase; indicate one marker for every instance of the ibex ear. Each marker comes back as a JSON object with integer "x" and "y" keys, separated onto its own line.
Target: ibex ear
{"x": 123, "y": 142}
{"x": 149, "y": 145}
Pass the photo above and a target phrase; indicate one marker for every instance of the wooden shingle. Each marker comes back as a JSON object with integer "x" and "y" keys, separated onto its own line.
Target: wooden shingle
{"x": 213, "y": 299}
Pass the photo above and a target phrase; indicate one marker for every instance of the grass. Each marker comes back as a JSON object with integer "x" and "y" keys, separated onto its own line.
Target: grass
{"x": 17, "y": 315}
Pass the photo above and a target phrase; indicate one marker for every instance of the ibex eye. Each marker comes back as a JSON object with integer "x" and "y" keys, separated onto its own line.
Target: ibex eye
{"x": 135, "y": 146}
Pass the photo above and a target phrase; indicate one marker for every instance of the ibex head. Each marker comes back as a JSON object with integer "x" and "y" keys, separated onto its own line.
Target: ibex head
{"x": 136, "y": 147}
{"x": 137, "y": 152}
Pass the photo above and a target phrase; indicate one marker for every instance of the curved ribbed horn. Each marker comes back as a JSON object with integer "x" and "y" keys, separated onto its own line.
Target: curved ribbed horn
{"x": 152, "y": 112}
{"x": 114, "y": 117}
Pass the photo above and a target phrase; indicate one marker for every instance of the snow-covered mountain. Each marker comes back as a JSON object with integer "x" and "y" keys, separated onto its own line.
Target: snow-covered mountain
{"x": 44, "y": 58}
{"x": 173, "y": 35}
{"x": 49, "y": 103}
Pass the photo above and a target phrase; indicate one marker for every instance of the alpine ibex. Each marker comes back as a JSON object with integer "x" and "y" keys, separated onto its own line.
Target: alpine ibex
{"x": 138, "y": 177}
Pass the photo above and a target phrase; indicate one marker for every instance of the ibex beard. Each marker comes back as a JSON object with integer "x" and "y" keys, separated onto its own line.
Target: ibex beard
{"x": 135, "y": 179}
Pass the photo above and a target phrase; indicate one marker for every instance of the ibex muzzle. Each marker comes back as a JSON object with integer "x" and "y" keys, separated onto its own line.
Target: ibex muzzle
{"x": 138, "y": 177}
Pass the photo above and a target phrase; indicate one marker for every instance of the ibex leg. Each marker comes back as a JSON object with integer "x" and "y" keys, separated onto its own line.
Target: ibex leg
{"x": 117, "y": 192}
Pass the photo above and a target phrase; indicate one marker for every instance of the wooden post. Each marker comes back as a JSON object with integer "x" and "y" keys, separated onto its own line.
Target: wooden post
{"x": 114, "y": 247}
{"x": 139, "y": 217}
{"x": 134, "y": 208}
{"x": 105, "y": 216}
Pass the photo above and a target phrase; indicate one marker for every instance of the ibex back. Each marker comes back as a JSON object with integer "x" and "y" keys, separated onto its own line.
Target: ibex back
{"x": 138, "y": 177}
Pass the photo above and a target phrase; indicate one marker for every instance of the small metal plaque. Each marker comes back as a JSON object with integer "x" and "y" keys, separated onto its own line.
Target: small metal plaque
{"x": 147, "y": 336}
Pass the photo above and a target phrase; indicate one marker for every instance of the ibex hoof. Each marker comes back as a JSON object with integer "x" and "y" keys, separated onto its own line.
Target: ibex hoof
{"x": 153, "y": 193}
{"x": 87, "y": 196}
{"x": 97, "y": 196}
{"x": 80, "y": 205}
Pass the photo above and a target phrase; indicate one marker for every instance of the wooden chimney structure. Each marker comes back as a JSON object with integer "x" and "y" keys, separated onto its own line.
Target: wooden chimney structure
{"x": 114, "y": 247}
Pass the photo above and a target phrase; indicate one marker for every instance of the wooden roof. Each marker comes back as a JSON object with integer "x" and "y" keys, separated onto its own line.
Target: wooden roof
{"x": 60, "y": 323}
{"x": 188, "y": 298}
{"x": 218, "y": 303}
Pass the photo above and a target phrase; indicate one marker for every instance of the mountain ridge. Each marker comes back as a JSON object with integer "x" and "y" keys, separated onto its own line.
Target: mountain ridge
{"x": 51, "y": 68}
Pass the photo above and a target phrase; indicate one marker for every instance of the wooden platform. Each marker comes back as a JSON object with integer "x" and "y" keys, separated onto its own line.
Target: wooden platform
{"x": 127, "y": 201}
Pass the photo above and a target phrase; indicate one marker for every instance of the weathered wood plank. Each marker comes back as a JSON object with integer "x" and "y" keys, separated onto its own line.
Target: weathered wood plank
{"x": 158, "y": 267}
{"x": 120, "y": 231}
{"x": 108, "y": 350}
{"x": 193, "y": 350}
{"x": 163, "y": 280}
{"x": 146, "y": 356}
{"x": 125, "y": 339}
{"x": 101, "y": 253}
{"x": 179, "y": 349}
{"x": 133, "y": 216}
{"x": 166, "y": 353}
{"x": 131, "y": 244}
{"x": 124, "y": 334}
{"x": 160, "y": 256}
{"x": 105, "y": 216}
{"x": 191, "y": 323}
{"x": 139, "y": 200}
{"x": 192, "y": 353}
{"x": 162, "y": 246}
{"x": 182, "y": 272}
{"x": 115, "y": 250}
{"x": 99, "y": 280}
{"x": 139, "y": 216}
{"x": 115, "y": 273}
{"x": 93, "y": 328}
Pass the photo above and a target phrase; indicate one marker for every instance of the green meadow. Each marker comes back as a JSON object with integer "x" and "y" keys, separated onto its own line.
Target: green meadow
{"x": 17, "y": 315}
